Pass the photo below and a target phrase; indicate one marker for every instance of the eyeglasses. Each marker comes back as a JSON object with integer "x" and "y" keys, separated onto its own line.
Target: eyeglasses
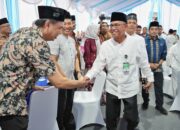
{"x": 116, "y": 25}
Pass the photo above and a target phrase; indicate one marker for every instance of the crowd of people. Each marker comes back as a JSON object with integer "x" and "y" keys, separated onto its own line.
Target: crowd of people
{"x": 128, "y": 54}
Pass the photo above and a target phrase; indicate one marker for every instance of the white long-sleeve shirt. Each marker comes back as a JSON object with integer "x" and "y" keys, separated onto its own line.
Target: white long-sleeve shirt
{"x": 170, "y": 41}
{"x": 173, "y": 57}
{"x": 111, "y": 56}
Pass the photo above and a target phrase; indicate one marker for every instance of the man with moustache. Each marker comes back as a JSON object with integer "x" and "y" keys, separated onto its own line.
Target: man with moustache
{"x": 122, "y": 57}
{"x": 26, "y": 58}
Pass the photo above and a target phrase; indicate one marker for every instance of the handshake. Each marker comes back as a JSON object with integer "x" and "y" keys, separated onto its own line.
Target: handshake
{"x": 85, "y": 82}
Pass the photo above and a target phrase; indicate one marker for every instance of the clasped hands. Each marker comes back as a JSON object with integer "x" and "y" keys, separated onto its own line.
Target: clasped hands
{"x": 86, "y": 82}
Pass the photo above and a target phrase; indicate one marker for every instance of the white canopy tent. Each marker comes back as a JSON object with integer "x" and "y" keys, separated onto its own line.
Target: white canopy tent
{"x": 87, "y": 11}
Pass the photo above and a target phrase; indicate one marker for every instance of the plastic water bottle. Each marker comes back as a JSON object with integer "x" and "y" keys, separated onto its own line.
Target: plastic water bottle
{"x": 42, "y": 81}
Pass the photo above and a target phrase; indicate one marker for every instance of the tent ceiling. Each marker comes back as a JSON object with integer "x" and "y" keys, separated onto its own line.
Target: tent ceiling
{"x": 176, "y": 2}
{"x": 109, "y": 6}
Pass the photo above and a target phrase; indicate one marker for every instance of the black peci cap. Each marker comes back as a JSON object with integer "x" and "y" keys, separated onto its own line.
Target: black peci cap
{"x": 49, "y": 12}
{"x": 132, "y": 16}
{"x": 3, "y": 21}
{"x": 118, "y": 16}
{"x": 154, "y": 24}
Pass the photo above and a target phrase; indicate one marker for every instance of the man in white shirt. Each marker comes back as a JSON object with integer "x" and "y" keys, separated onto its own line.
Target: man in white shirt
{"x": 170, "y": 39}
{"x": 131, "y": 27}
{"x": 64, "y": 52}
{"x": 122, "y": 57}
{"x": 161, "y": 34}
{"x": 131, "y": 30}
{"x": 173, "y": 57}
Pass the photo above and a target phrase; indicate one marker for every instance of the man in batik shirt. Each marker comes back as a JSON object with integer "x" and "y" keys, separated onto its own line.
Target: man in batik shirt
{"x": 5, "y": 31}
{"x": 26, "y": 57}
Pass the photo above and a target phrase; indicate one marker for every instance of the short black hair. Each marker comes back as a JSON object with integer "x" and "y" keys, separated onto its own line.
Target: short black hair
{"x": 160, "y": 26}
{"x": 171, "y": 31}
{"x": 139, "y": 26}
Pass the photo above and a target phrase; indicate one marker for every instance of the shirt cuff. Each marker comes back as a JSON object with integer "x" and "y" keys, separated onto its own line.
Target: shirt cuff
{"x": 89, "y": 76}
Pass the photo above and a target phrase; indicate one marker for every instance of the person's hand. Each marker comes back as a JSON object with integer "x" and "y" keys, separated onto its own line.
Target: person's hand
{"x": 147, "y": 86}
{"x": 152, "y": 66}
{"x": 156, "y": 66}
{"x": 84, "y": 81}
{"x": 38, "y": 88}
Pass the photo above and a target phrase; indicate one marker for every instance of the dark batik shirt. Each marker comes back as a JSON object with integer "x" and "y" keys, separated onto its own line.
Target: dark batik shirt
{"x": 24, "y": 58}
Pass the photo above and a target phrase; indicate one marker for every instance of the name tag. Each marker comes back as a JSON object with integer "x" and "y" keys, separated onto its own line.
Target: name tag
{"x": 126, "y": 66}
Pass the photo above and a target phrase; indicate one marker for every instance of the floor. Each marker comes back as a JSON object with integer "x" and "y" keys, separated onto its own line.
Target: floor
{"x": 150, "y": 119}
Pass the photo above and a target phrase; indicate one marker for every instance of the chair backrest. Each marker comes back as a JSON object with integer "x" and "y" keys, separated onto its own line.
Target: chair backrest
{"x": 43, "y": 109}
{"x": 166, "y": 69}
{"x": 99, "y": 84}
{"x": 178, "y": 81}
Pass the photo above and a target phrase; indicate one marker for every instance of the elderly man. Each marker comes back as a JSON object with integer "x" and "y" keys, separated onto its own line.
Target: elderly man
{"x": 122, "y": 57}
{"x": 24, "y": 59}
{"x": 5, "y": 31}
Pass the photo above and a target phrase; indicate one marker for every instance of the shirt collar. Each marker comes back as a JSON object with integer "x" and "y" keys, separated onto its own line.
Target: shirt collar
{"x": 151, "y": 38}
{"x": 115, "y": 42}
{"x": 38, "y": 30}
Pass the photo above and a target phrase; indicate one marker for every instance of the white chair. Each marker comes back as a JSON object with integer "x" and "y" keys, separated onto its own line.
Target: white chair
{"x": 176, "y": 104}
{"x": 167, "y": 83}
{"x": 167, "y": 86}
{"x": 43, "y": 110}
{"x": 166, "y": 69}
{"x": 174, "y": 78}
{"x": 86, "y": 106}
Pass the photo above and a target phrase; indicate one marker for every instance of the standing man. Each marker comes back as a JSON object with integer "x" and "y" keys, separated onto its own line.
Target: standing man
{"x": 25, "y": 58}
{"x": 73, "y": 35}
{"x": 122, "y": 57}
{"x": 131, "y": 27}
{"x": 138, "y": 30}
{"x": 5, "y": 31}
{"x": 104, "y": 33}
{"x": 161, "y": 34}
{"x": 64, "y": 52}
{"x": 144, "y": 32}
{"x": 170, "y": 39}
{"x": 157, "y": 50}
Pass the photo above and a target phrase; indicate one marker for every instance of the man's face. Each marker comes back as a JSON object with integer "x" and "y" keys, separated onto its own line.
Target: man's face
{"x": 131, "y": 25}
{"x": 118, "y": 28}
{"x": 104, "y": 28}
{"x": 67, "y": 27}
{"x": 52, "y": 30}
{"x": 73, "y": 25}
{"x": 153, "y": 31}
{"x": 138, "y": 30}
{"x": 5, "y": 29}
{"x": 160, "y": 30}
{"x": 144, "y": 30}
